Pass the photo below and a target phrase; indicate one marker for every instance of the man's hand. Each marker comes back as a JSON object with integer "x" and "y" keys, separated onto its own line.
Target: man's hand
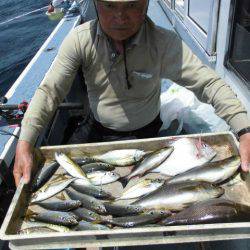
{"x": 23, "y": 162}
{"x": 245, "y": 151}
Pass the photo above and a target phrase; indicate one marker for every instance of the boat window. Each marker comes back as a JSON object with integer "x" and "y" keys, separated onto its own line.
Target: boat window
{"x": 179, "y": 7}
{"x": 168, "y": 2}
{"x": 239, "y": 56}
{"x": 198, "y": 11}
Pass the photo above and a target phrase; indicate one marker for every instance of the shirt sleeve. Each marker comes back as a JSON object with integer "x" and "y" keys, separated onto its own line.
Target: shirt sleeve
{"x": 181, "y": 66}
{"x": 53, "y": 89}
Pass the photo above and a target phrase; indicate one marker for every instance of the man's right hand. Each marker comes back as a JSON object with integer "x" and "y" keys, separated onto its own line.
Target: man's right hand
{"x": 23, "y": 162}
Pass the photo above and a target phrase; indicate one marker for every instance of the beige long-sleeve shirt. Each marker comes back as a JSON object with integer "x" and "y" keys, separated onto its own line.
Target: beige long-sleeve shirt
{"x": 152, "y": 54}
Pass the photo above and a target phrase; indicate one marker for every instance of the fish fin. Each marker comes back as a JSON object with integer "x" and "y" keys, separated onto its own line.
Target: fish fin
{"x": 124, "y": 181}
{"x": 61, "y": 196}
{"x": 29, "y": 214}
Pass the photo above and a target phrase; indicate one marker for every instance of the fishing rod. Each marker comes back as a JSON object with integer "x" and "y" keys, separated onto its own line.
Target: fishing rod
{"x": 23, "y": 15}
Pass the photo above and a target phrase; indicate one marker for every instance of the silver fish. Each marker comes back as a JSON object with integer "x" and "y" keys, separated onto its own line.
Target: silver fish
{"x": 175, "y": 197}
{"x": 87, "y": 201}
{"x": 56, "y": 228}
{"x": 150, "y": 162}
{"x": 70, "y": 167}
{"x": 43, "y": 175}
{"x": 87, "y": 215}
{"x": 97, "y": 166}
{"x": 213, "y": 172}
{"x": 121, "y": 157}
{"x": 56, "y": 217}
{"x": 128, "y": 210}
{"x": 141, "y": 188}
{"x": 188, "y": 153}
{"x": 66, "y": 205}
{"x": 50, "y": 190}
{"x": 136, "y": 220}
{"x": 122, "y": 210}
{"x": 84, "y": 225}
{"x": 103, "y": 177}
{"x": 36, "y": 230}
{"x": 92, "y": 190}
{"x": 210, "y": 211}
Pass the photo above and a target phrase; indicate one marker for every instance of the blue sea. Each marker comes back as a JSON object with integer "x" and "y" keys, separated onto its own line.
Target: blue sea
{"x": 24, "y": 27}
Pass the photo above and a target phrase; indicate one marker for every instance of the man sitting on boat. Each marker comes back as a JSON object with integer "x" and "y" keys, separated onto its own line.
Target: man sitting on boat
{"x": 124, "y": 56}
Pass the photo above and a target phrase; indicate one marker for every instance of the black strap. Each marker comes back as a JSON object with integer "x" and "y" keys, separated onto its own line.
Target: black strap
{"x": 243, "y": 131}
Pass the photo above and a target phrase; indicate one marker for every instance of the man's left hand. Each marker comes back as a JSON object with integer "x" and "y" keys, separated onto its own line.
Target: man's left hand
{"x": 245, "y": 152}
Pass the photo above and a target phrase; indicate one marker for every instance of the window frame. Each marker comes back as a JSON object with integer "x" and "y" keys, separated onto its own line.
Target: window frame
{"x": 206, "y": 41}
{"x": 230, "y": 43}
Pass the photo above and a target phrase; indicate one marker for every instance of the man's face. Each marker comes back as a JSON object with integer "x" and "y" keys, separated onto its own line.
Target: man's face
{"x": 121, "y": 20}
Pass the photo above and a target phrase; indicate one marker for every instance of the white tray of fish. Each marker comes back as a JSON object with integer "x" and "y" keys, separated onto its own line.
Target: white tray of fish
{"x": 138, "y": 192}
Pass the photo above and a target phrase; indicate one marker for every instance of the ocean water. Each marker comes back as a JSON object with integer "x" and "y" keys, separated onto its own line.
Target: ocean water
{"x": 24, "y": 27}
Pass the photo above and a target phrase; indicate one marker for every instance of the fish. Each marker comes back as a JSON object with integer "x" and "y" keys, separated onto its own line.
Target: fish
{"x": 66, "y": 205}
{"x": 43, "y": 175}
{"x": 136, "y": 220}
{"x": 56, "y": 217}
{"x": 50, "y": 189}
{"x": 213, "y": 172}
{"x": 56, "y": 228}
{"x": 97, "y": 166}
{"x": 91, "y": 190}
{"x": 36, "y": 230}
{"x": 141, "y": 188}
{"x": 84, "y": 225}
{"x": 122, "y": 210}
{"x": 126, "y": 210}
{"x": 121, "y": 157}
{"x": 103, "y": 177}
{"x": 150, "y": 162}
{"x": 87, "y": 201}
{"x": 87, "y": 215}
{"x": 210, "y": 211}
{"x": 188, "y": 153}
{"x": 71, "y": 167}
{"x": 83, "y": 161}
{"x": 176, "y": 197}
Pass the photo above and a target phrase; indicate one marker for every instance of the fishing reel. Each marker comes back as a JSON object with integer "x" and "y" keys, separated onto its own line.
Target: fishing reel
{"x": 11, "y": 114}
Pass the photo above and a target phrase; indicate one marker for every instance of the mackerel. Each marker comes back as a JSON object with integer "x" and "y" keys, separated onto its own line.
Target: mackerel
{"x": 150, "y": 162}
{"x": 121, "y": 157}
{"x": 87, "y": 201}
{"x": 60, "y": 205}
{"x": 141, "y": 188}
{"x": 50, "y": 190}
{"x": 103, "y": 177}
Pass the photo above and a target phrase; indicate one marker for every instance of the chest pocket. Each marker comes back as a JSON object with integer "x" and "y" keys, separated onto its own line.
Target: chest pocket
{"x": 143, "y": 84}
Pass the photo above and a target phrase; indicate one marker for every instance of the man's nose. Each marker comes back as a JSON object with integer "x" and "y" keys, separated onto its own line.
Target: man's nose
{"x": 120, "y": 16}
